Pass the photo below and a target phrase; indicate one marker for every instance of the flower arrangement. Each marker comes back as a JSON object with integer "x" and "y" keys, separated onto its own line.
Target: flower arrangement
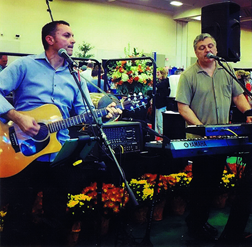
{"x": 131, "y": 76}
{"x": 188, "y": 169}
{"x": 245, "y": 77}
{"x": 228, "y": 180}
{"x": 144, "y": 186}
{"x": 143, "y": 190}
{"x": 163, "y": 182}
{"x": 242, "y": 74}
{"x": 178, "y": 182}
{"x": 113, "y": 199}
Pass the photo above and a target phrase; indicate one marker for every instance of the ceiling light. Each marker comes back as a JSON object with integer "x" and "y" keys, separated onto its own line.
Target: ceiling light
{"x": 176, "y": 3}
{"x": 198, "y": 18}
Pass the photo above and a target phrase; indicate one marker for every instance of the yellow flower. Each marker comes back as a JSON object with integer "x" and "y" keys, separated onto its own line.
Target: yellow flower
{"x": 72, "y": 203}
{"x": 2, "y": 214}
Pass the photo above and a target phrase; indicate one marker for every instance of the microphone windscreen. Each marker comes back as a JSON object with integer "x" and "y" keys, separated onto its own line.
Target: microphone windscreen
{"x": 209, "y": 55}
{"x": 61, "y": 52}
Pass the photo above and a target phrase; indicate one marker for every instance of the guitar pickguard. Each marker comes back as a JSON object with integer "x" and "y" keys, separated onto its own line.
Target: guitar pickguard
{"x": 31, "y": 147}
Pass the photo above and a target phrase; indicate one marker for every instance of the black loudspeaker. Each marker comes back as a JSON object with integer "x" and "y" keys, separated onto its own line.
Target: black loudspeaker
{"x": 222, "y": 21}
{"x": 173, "y": 125}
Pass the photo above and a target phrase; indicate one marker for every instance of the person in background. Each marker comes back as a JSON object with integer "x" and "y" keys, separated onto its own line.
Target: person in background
{"x": 87, "y": 73}
{"x": 3, "y": 61}
{"x": 204, "y": 95}
{"x": 51, "y": 84}
{"x": 95, "y": 74}
{"x": 163, "y": 91}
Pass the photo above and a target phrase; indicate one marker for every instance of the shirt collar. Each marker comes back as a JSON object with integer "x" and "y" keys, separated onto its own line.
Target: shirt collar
{"x": 200, "y": 70}
{"x": 42, "y": 56}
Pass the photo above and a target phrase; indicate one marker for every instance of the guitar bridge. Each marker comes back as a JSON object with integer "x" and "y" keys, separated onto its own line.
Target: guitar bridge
{"x": 13, "y": 139}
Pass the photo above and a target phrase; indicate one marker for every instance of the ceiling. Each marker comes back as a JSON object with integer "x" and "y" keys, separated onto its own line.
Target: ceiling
{"x": 189, "y": 9}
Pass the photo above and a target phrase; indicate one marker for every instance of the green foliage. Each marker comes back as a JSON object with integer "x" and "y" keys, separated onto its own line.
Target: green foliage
{"x": 84, "y": 49}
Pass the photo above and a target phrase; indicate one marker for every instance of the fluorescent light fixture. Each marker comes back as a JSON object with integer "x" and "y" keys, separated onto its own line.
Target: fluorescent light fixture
{"x": 176, "y": 3}
{"x": 198, "y": 18}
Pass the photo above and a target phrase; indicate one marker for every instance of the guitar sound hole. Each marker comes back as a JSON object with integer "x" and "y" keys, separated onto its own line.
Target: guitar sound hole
{"x": 42, "y": 134}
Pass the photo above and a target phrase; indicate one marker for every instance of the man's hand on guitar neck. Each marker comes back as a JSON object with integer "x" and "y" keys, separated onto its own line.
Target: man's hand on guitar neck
{"x": 26, "y": 123}
{"x": 112, "y": 111}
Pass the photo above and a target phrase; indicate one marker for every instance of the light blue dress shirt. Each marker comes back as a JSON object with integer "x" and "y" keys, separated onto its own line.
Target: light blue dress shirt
{"x": 34, "y": 82}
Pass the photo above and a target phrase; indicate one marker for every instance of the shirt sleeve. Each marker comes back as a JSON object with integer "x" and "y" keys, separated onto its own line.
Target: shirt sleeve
{"x": 184, "y": 93}
{"x": 80, "y": 105}
{"x": 9, "y": 80}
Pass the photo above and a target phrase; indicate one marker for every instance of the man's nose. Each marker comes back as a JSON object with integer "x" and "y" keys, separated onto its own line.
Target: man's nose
{"x": 73, "y": 40}
{"x": 207, "y": 49}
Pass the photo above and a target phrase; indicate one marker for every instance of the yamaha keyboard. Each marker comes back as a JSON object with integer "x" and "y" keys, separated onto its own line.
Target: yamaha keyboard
{"x": 186, "y": 148}
{"x": 242, "y": 129}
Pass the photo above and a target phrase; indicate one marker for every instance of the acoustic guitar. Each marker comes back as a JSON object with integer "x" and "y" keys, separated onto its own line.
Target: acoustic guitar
{"x": 18, "y": 150}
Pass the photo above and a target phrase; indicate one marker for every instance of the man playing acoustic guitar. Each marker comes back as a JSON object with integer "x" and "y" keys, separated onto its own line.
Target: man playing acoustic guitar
{"x": 43, "y": 88}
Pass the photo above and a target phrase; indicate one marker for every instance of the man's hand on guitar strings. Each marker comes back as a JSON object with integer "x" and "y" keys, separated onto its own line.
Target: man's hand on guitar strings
{"x": 25, "y": 122}
{"x": 112, "y": 111}
{"x": 28, "y": 125}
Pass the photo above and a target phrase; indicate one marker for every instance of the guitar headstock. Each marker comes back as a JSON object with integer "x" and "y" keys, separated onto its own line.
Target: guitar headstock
{"x": 134, "y": 101}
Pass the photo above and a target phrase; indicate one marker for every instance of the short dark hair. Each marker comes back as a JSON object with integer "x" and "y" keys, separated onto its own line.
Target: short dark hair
{"x": 90, "y": 65}
{"x": 95, "y": 71}
{"x": 50, "y": 29}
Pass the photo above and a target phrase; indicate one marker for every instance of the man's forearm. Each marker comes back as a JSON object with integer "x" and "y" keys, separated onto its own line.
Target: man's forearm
{"x": 241, "y": 103}
{"x": 13, "y": 115}
{"x": 186, "y": 112}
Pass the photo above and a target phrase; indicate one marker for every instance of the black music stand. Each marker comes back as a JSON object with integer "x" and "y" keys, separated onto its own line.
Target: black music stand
{"x": 77, "y": 149}
{"x": 73, "y": 149}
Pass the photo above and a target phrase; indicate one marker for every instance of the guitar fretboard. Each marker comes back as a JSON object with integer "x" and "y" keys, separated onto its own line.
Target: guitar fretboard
{"x": 75, "y": 120}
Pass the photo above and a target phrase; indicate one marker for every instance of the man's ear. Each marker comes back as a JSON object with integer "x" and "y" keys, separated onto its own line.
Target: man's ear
{"x": 49, "y": 39}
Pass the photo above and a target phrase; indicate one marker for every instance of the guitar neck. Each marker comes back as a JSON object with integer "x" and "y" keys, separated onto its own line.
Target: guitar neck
{"x": 75, "y": 120}
{"x": 129, "y": 104}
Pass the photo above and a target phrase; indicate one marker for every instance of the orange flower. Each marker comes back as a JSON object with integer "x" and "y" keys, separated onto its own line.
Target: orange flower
{"x": 130, "y": 80}
{"x": 121, "y": 70}
{"x": 140, "y": 68}
{"x": 136, "y": 78}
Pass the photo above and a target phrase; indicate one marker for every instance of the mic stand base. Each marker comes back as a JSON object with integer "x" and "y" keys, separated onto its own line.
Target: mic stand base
{"x": 100, "y": 167}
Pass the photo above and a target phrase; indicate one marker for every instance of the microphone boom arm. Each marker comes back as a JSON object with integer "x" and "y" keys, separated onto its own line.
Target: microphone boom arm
{"x": 234, "y": 77}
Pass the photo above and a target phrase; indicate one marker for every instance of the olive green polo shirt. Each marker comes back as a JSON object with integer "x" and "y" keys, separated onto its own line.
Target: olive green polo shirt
{"x": 209, "y": 97}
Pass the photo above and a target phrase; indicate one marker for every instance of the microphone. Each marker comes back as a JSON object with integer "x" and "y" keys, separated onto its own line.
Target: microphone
{"x": 210, "y": 55}
{"x": 63, "y": 53}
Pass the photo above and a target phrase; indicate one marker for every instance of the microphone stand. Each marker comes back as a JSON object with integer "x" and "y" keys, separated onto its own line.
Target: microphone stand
{"x": 49, "y": 10}
{"x": 234, "y": 77}
{"x": 103, "y": 138}
{"x": 98, "y": 88}
{"x": 146, "y": 242}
